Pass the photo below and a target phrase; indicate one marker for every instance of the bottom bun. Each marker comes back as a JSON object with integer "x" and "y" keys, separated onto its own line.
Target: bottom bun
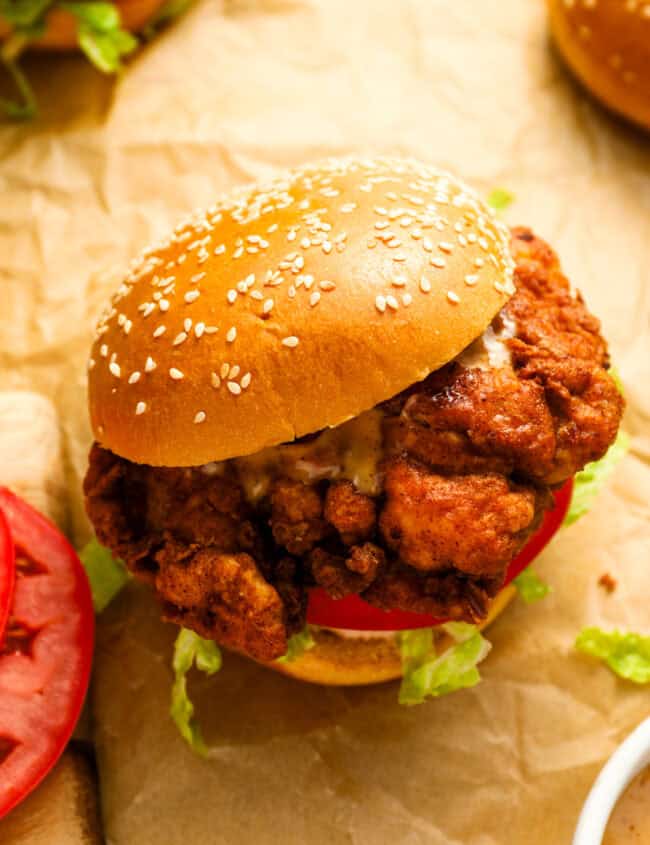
{"x": 338, "y": 660}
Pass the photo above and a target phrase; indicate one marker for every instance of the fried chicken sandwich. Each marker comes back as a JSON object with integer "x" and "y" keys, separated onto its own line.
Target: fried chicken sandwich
{"x": 349, "y": 398}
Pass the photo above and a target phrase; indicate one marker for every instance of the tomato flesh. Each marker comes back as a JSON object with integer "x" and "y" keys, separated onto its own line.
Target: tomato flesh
{"x": 353, "y": 613}
{"x": 7, "y": 576}
{"x": 46, "y": 657}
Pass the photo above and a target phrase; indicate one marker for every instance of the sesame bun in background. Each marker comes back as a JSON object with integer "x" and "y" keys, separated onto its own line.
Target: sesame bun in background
{"x": 606, "y": 43}
{"x": 61, "y": 25}
{"x": 291, "y": 307}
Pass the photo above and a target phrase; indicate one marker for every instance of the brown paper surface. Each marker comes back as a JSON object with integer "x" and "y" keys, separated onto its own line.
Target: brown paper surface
{"x": 230, "y": 92}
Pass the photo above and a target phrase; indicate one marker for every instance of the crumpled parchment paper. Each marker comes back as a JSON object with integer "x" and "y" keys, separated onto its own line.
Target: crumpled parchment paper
{"x": 230, "y": 92}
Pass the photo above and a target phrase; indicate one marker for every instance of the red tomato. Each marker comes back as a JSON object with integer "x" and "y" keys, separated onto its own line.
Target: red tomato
{"x": 7, "y": 574}
{"x": 46, "y": 657}
{"x": 353, "y": 613}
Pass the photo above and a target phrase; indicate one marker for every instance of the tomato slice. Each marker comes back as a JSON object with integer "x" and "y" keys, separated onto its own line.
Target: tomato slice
{"x": 353, "y": 613}
{"x": 7, "y": 575}
{"x": 46, "y": 657}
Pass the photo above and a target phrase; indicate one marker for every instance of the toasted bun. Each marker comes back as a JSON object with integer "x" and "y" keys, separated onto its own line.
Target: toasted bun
{"x": 293, "y": 306}
{"x": 61, "y": 29}
{"x": 606, "y": 43}
{"x": 341, "y": 661}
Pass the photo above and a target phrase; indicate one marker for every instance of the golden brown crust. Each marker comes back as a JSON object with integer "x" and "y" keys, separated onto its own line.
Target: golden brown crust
{"x": 338, "y": 661}
{"x": 329, "y": 290}
{"x": 61, "y": 29}
{"x": 606, "y": 43}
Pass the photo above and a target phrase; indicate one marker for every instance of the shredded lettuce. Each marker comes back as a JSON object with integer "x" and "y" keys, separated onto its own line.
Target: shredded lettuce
{"x": 499, "y": 199}
{"x": 107, "y": 574}
{"x": 587, "y": 482}
{"x": 298, "y": 644}
{"x": 427, "y": 674}
{"x": 626, "y": 654}
{"x": 190, "y": 649}
{"x": 530, "y": 586}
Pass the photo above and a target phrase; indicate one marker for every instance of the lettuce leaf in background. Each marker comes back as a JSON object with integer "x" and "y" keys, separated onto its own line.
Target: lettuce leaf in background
{"x": 298, "y": 644}
{"x": 530, "y": 586}
{"x": 100, "y": 34}
{"x": 107, "y": 574}
{"x": 427, "y": 674}
{"x": 626, "y": 654}
{"x": 499, "y": 199}
{"x": 588, "y": 482}
{"x": 190, "y": 649}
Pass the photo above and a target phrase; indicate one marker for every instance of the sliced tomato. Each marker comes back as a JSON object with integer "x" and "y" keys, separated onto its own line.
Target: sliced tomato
{"x": 353, "y": 613}
{"x": 46, "y": 657}
{"x": 7, "y": 575}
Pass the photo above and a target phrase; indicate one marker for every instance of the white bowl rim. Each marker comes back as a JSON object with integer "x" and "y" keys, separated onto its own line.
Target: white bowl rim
{"x": 631, "y": 757}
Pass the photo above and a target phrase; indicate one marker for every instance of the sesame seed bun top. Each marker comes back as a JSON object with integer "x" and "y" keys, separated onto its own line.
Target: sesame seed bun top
{"x": 606, "y": 43}
{"x": 292, "y": 306}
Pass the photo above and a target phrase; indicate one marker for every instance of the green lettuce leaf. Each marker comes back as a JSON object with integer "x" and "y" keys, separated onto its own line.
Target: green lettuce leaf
{"x": 530, "y": 586}
{"x": 626, "y": 654}
{"x": 100, "y": 34}
{"x": 499, "y": 199}
{"x": 107, "y": 574}
{"x": 427, "y": 674}
{"x": 190, "y": 649}
{"x": 587, "y": 482}
{"x": 298, "y": 644}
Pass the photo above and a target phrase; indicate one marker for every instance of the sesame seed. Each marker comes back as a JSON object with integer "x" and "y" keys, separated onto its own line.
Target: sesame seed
{"x": 479, "y": 262}
{"x": 234, "y": 371}
{"x": 91, "y": 363}
{"x": 199, "y": 328}
{"x": 200, "y": 417}
{"x": 187, "y": 324}
{"x": 399, "y": 256}
{"x": 380, "y": 304}
{"x": 326, "y": 247}
{"x": 291, "y": 292}
{"x": 231, "y": 334}
{"x": 292, "y": 341}
{"x": 425, "y": 285}
{"x": 392, "y": 302}
{"x": 115, "y": 369}
{"x": 103, "y": 350}
{"x": 211, "y": 329}
{"x": 482, "y": 242}
{"x": 398, "y": 281}
{"x": 220, "y": 249}
{"x": 314, "y": 298}
{"x": 140, "y": 408}
{"x": 453, "y": 297}
{"x": 215, "y": 381}
{"x": 163, "y": 305}
{"x": 160, "y": 330}
{"x": 326, "y": 285}
{"x": 292, "y": 235}
{"x": 150, "y": 365}
{"x": 407, "y": 299}
{"x": 257, "y": 294}
{"x": 225, "y": 369}
{"x": 234, "y": 388}
{"x": 445, "y": 246}
{"x": 437, "y": 262}
{"x": 134, "y": 378}
{"x": 192, "y": 296}
{"x": 177, "y": 375}
{"x": 181, "y": 337}
{"x": 245, "y": 381}
{"x": 197, "y": 278}
{"x": 268, "y": 306}
{"x": 471, "y": 279}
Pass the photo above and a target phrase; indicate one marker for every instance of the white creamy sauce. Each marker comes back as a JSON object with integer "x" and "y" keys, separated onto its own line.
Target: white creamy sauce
{"x": 349, "y": 634}
{"x": 489, "y": 351}
{"x": 349, "y": 451}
